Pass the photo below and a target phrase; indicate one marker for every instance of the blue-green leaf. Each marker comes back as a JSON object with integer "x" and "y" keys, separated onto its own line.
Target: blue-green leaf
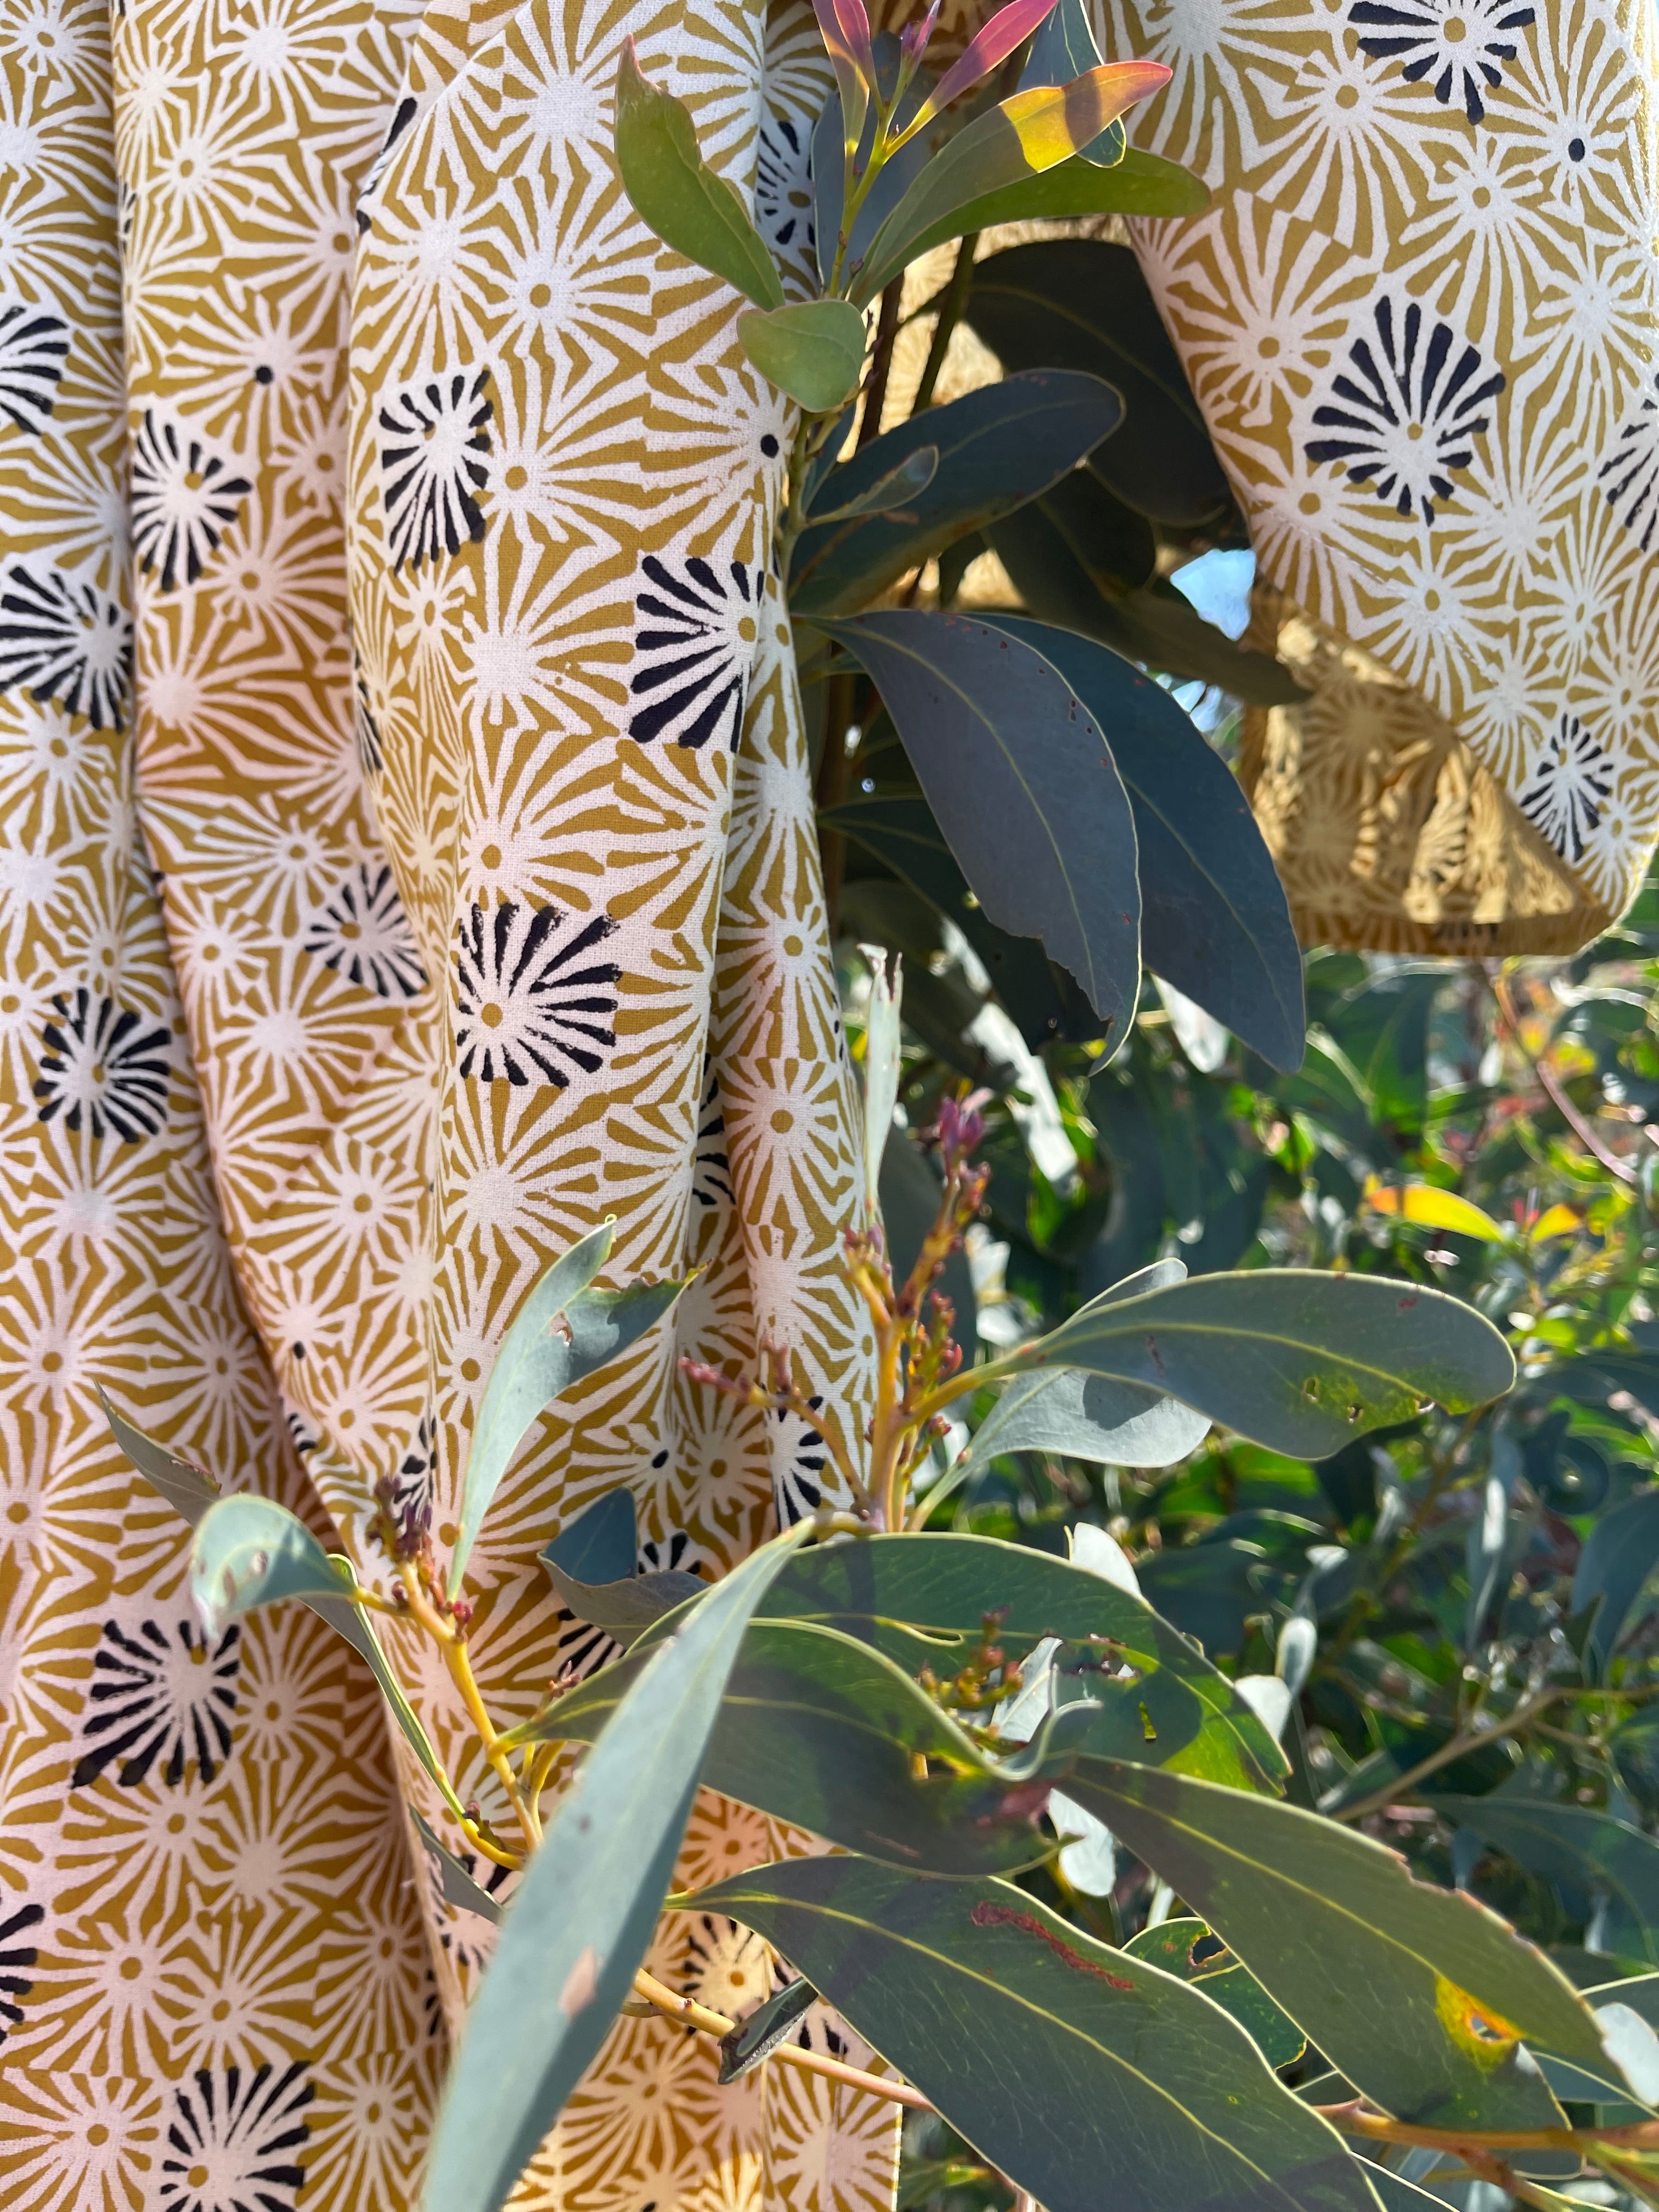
{"x": 812, "y": 350}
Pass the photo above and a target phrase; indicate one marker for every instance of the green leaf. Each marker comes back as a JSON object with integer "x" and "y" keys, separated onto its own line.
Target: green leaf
{"x": 677, "y": 196}
{"x": 1063, "y": 579}
{"x": 1417, "y": 1994}
{"x": 1188, "y": 1949}
{"x": 1020, "y": 781}
{"x": 602, "y": 1544}
{"x": 1214, "y": 920}
{"x": 456, "y": 1884}
{"x": 922, "y": 1601}
{"x": 251, "y": 1552}
{"x": 813, "y": 351}
{"x": 896, "y": 488}
{"x": 351, "y": 1622}
{"x": 1137, "y": 185}
{"x": 1064, "y": 47}
{"x": 1059, "y": 2059}
{"x": 1009, "y": 145}
{"x": 584, "y": 1911}
{"x": 563, "y": 1332}
{"x": 185, "y": 1488}
{"x": 820, "y": 1730}
{"x": 1619, "y": 1555}
{"x": 1582, "y": 1846}
{"x": 1081, "y": 303}
{"x": 1296, "y": 1359}
{"x": 627, "y": 1608}
{"x": 996, "y": 447}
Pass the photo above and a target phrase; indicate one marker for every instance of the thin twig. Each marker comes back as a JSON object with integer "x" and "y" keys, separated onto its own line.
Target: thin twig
{"x": 1553, "y": 1090}
{"x": 950, "y": 314}
{"x": 1466, "y": 1739}
{"x": 881, "y": 364}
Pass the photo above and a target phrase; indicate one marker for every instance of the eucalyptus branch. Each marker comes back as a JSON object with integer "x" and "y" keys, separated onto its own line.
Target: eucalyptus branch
{"x": 1465, "y": 1740}
{"x": 1554, "y": 1091}
{"x": 690, "y": 2014}
{"x": 950, "y": 314}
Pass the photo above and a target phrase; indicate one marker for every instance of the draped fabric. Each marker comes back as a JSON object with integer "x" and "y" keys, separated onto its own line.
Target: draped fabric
{"x": 1420, "y": 319}
{"x": 407, "y": 864}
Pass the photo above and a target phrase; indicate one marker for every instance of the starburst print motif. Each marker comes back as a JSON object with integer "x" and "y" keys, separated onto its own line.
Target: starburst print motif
{"x": 783, "y": 196}
{"x": 582, "y": 1648}
{"x": 365, "y": 724}
{"x": 798, "y": 1484}
{"x": 411, "y": 1486}
{"x": 727, "y": 1967}
{"x": 711, "y": 1170}
{"x": 1407, "y": 415}
{"x": 363, "y": 932}
{"x": 1572, "y": 781}
{"x": 531, "y": 1004}
{"x": 17, "y": 1955}
{"x": 101, "y": 1066}
{"x": 159, "y": 1697}
{"x": 33, "y": 347}
{"x": 185, "y": 497}
{"x": 62, "y": 638}
{"x": 1631, "y": 473}
{"x": 234, "y": 2142}
{"x": 1457, "y": 44}
{"x": 693, "y": 650}
{"x": 432, "y": 466}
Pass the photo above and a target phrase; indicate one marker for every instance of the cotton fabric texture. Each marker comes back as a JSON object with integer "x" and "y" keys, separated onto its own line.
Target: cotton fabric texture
{"x": 1420, "y": 319}
{"x": 408, "y": 863}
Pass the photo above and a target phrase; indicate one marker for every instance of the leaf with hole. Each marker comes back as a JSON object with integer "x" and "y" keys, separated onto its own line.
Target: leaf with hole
{"x": 1021, "y": 781}
{"x": 814, "y": 350}
{"x": 1295, "y": 1360}
{"x": 1188, "y": 1949}
{"x": 996, "y": 447}
{"x": 1103, "y": 2064}
{"x": 585, "y": 1908}
{"x": 1214, "y": 920}
{"x": 1419, "y": 1995}
{"x": 675, "y": 194}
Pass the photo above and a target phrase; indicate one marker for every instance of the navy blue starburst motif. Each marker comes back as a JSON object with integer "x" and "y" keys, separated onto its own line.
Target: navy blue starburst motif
{"x": 185, "y": 498}
{"x": 798, "y": 1483}
{"x": 235, "y": 2142}
{"x": 17, "y": 1955}
{"x": 693, "y": 650}
{"x": 531, "y": 1002}
{"x": 363, "y": 932}
{"x": 1407, "y": 416}
{"x": 711, "y": 1170}
{"x": 783, "y": 191}
{"x": 102, "y": 1068}
{"x": 63, "y": 639}
{"x": 1570, "y": 785}
{"x": 432, "y": 466}
{"x": 1458, "y": 44}
{"x": 364, "y": 723}
{"x": 33, "y": 347}
{"x": 157, "y": 1696}
{"x": 1630, "y": 473}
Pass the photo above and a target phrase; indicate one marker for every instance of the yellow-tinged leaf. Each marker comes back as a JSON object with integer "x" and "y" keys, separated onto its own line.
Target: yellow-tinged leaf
{"x": 1432, "y": 1209}
{"x": 1556, "y": 1221}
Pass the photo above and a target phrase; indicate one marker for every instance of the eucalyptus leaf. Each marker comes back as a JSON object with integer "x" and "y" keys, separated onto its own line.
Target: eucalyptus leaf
{"x": 1214, "y": 922}
{"x": 923, "y": 1600}
{"x": 185, "y": 1488}
{"x": 896, "y": 488}
{"x": 351, "y": 1622}
{"x": 563, "y": 1332}
{"x": 1578, "y": 1845}
{"x": 602, "y": 1544}
{"x": 249, "y": 1552}
{"x": 1419, "y": 1995}
{"x": 1064, "y": 47}
{"x": 996, "y": 447}
{"x": 584, "y": 1911}
{"x": 819, "y": 1730}
{"x": 1009, "y": 144}
{"x": 1188, "y": 1949}
{"x": 1297, "y": 1360}
{"x": 456, "y": 1884}
{"x": 1619, "y": 1553}
{"x": 812, "y": 350}
{"x": 1021, "y": 782}
{"x": 626, "y": 1608}
{"x": 1102, "y": 2065}
{"x": 677, "y": 195}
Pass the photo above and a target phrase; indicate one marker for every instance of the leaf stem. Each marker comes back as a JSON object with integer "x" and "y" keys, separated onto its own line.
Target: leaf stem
{"x": 1354, "y": 2118}
{"x": 1554, "y": 1091}
{"x": 690, "y": 2014}
{"x": 1465, "y": 1740}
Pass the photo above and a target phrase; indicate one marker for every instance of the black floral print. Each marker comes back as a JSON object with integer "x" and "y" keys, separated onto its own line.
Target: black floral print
{"x": 16, "y": 1956}
{"x": 365, "y": 724}
{"x": 783, "y": 191}
{"x": 1407, "y": 415}
{"x": 532, "y": 1003}
{"x": 103, "y": 1068}
{"x": 1457, "y": 44}
{"x": 62, "y": 638}
{"x": 1631, "y": 473}
{"x": 412, "y": 1488}
{"x": 798, "y": 1483}
{"x": 711, "y": 1170}
{"x": 693, "y": 650}
{"x": 185, "y": 497}
{"x": 363, "y": 933}
{"x": 33, "y": 347}
{"x": 432, "y": 462}
{"x": 1572, "y": 782}
{"x": 159, "y": 1697}
{"x": 235, "y": 2142}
